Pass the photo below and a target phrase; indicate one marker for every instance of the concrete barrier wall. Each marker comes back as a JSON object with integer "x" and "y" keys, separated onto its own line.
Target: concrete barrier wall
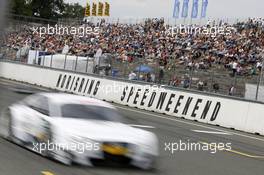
{"x": 242, "y": 115}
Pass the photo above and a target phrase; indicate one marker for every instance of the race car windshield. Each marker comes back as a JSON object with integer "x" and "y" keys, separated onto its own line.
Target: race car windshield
{"x": 90, "y": 112}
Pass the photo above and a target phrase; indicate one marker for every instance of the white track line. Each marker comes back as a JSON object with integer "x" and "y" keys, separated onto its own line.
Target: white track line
{"x": 213, "y": 132}
{"x": 142, "y": 126}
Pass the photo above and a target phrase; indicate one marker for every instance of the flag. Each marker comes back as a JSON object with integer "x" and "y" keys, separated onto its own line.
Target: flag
{"x": 195, "y": 8}
{"x": 107, "y": 9}
{"x": 176, "y": 11}
{"x": 204, "y": 8}
{"x": 94, "y": 9}
{"x": 100, "y": 9}
{"x": 87, "y": 10}
{"x": 185, "y": 8}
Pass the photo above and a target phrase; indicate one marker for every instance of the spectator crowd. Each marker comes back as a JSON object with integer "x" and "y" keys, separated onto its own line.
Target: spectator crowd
{"x": 240, "y": 51}
{"x": 150, "y": 39}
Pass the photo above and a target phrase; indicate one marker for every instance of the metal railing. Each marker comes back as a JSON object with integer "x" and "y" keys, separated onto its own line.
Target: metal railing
{"x": 207, "y": 80}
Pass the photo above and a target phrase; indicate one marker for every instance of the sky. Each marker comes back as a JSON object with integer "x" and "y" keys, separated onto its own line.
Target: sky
{"x": 164, "y": 8}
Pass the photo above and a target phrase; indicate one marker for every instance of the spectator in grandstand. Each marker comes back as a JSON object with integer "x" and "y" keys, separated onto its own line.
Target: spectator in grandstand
{"x": 175, "y": 81}
{"x": 107, "y": 69}
{"x": 186, "y": 81}
{"x": 161, "y": 75}
{"x": 132, "y": 76}
{"x": 153, "y": 77}
{"x": 200, "y": 85}
{"x": 239, "y": 70}
{"x": 234, "y": 65}
{"x": 216, "y": 87}
{"x": 231, "y": 90}
{"x": 148, "y": 77}
{"x": 259, "y": 65}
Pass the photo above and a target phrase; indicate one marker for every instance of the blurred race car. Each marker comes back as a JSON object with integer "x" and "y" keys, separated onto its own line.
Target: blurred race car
{"x": 77, "y": 129}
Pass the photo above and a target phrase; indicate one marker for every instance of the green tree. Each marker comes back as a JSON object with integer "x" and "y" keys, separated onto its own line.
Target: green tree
{"x": 51, "y": 9}
{"x": 20, "y": 7}
{"x": 73, "y": 11}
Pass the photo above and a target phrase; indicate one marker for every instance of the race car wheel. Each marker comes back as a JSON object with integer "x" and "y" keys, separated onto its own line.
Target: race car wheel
{"x": 6, "y": 125}
{"x": 63, "y": 157}
{"x": 44, "y": 140}
{"x": 148, "y": 164}
{"x": 57, "y": 153}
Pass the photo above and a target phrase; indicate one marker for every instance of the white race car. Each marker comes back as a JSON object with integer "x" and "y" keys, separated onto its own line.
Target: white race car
{"x": 77, "y": 129}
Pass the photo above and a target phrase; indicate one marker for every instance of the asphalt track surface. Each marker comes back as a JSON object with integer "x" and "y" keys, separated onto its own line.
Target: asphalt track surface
{"x": 246, "y": 157}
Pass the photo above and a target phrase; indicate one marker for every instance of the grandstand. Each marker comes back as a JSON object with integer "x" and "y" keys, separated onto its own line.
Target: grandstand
{"x": 185, "y": 60}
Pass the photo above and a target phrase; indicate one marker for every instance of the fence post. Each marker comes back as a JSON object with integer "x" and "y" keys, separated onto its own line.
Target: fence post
{"x": 20, "y": 54}
{"x": 65, "y": 62}
{"x": 87, "y": 62}
{"x": 212, "y": 81}
{"x": 126, "y": 68}
{"x": 99, "y": 63}
{"x": 76, "y": 62}
{"x": 51, "y": 59}
{"x": 191, "y": 77}
{"x": 139, "y": 70}
{"x": 235, "y": 83}
{"x": 259, "y": 80}
{"x": 35, "y": 59}
{"x": 43, "y": 64}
